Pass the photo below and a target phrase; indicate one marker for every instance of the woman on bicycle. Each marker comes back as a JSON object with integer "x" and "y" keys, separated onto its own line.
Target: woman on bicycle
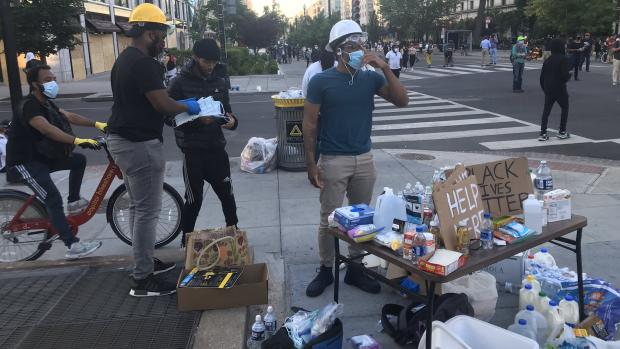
{"x": 40, "y": 141}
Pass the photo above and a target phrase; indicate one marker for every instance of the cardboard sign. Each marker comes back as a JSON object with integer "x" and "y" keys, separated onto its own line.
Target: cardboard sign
{"x": 456, "y": 202}
{"x": 503, "y": 185}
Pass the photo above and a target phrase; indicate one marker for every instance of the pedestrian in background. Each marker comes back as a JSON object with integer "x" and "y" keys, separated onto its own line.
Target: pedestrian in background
{"x": 394, "y": 57}
{"x": 493, "y": 50}
{"x": 307, "y": 56}
{"x": 405, "y": 55}
{"x": 553, "y": 78}
{"x": 547, "y": 48}
{"x": 610, "y": 45}
{"x": 574, "y": 50}
{"x": 428, "y": 53}
{"x": 485, "y": 46}
{"x": 413, "y": 50}
{"x": 588, "y": 44}
{"x": 517, "y": 57}
{"x": 448, "y": 54}
{"x": 615, "y": 52}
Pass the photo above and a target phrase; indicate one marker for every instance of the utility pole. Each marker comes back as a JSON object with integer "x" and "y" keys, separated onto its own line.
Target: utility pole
{"x": 224, "y": 56}
{"x": 10, "y": 52}
{"x": 329, "y": 8}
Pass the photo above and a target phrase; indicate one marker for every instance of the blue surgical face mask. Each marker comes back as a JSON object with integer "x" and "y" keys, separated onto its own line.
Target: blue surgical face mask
{"x": 50, "y": 89}
{"x": 355, "y": 59}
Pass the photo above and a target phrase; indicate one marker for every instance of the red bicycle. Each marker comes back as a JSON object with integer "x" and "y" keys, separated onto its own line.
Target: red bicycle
{"x": 27, "y": 231}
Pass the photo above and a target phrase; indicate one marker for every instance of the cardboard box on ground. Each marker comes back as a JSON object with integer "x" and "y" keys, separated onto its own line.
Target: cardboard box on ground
{"x": 250, "y": 289}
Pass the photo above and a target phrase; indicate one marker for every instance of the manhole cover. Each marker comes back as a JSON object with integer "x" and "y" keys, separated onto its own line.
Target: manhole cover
{"x": 415, "y": 156}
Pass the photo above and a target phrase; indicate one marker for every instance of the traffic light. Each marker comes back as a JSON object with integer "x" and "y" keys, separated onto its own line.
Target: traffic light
{"x": 355, "y": 11}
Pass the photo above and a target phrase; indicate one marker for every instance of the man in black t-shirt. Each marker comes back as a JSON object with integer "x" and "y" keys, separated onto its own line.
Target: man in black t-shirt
{"x": 37, "y": 146}
{"x": 588, "y": 45}
{"x": 574, "y": 50}
{"x": 135, "y": 140}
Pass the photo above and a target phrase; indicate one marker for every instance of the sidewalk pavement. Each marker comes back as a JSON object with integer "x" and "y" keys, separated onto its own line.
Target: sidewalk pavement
{"x": 280, "y": 212}
{"x": 97, "y": 88}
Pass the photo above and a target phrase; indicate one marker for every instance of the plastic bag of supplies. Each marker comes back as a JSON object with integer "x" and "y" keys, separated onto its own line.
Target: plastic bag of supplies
{"x": 259, "y": 155}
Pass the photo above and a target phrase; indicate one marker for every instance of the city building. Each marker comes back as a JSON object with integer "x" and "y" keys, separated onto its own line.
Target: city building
{"x": 102, "y": 40}
{"x": 366, "y": 8}
{"x": 469, "y": 8}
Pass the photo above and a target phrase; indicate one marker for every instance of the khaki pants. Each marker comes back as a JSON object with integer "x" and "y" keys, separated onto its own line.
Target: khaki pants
{"x": 354, "y": 176}
{"x": 616, "y": 72}
{"x": 485, "y": 56}
{"x": 429, "y": 58}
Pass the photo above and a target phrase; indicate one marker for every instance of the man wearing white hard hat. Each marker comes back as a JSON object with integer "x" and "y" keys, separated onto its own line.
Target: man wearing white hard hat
{"x": 344, "y": 96}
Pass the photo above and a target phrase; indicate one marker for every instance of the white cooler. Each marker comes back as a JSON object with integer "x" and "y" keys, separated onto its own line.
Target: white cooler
{"x": 465, "y": 332}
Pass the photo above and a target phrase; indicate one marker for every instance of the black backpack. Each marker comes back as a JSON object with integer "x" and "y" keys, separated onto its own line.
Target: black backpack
{"x": 411, "y": 320}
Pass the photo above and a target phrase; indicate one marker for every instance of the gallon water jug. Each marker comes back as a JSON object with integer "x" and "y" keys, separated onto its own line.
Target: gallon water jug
{"x": 555, "y": 323}
{"x": 533, "y": 212}
{"x": 544, "y": 258}
{"x": 542, "y": 303}
{"x": 522, "y": 328}
{"x": 569, "y": 310}
{"x": 531, "y": 279}
{"x": 536, "y": 321}
{"x": 388, "y": 208}
{"x": 527, "y": 296}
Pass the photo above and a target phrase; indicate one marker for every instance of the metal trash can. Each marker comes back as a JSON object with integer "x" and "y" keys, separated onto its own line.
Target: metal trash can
{"x": 289, "y": 119}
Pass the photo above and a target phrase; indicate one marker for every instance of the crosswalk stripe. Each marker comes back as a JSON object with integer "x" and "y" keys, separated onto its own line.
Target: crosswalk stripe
{"x": 446, "y": 71}
{"x": 480, "y": 121}
{"x": 533, "y": 143}
{"x": 402, "y": 110}
{"x": 452, "y": 134}
{"x": 503, "y": 69}
{"x": 426, "y": 72}
{"x": 426, "y": 115}
{"x": 416, "y": 102}
{"x": 411, "y": 77}
{"x": 475, "y": 70}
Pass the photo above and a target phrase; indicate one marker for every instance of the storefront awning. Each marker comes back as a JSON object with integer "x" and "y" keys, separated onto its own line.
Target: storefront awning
{"x": 125, "y": 26}
{"x": 101, "y": 26}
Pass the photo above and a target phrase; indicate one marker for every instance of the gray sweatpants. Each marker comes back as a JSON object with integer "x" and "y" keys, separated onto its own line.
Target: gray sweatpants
{"x": 143, "y": 165}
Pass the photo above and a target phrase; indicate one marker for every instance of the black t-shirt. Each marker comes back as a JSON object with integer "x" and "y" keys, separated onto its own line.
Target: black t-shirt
{"x": 133, "y": 117}
{"x": 22, "y": 138}
{"x": 574, "y": 47}
{"x": 587, "y": 45}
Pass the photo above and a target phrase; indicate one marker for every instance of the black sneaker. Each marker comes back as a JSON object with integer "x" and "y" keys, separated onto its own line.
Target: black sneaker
{"x": 356, "y": 277}
{"x": 320, "y": 282}
{"x": 563, "y": 135}
{"x": 543, "y": 137}
{"x": 152, "y": 287}
{"x": 160, "y": 267}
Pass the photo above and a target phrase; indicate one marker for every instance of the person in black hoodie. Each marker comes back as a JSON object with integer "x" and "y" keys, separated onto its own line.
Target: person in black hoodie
{"x": 553, "y": 77}
{"x": 202, "y": 141}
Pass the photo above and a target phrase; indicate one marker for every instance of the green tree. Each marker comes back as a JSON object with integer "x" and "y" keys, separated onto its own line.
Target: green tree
{"x": 570, "y": 16}
{"x": 259, "y": 32}
{"x": 415, "y": 18}
{"x": 46, "y": 26}
{"x": 480, "y": 17}
{"x": 309, "y": 31}
{"x": 374, "y": 28}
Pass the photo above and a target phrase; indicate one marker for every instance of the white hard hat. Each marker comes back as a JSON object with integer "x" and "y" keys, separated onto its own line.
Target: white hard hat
{"x": 342, "y": 29}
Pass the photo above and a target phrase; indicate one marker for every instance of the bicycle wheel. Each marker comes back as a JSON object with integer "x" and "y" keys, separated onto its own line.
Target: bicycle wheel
{"x": 169, "y": 222}
{"x": 20, "y": 246}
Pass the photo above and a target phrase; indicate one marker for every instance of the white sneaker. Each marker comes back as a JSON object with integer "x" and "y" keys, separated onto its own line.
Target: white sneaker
{"x": 81, "y": 249}
{"x": 78, "y": 206}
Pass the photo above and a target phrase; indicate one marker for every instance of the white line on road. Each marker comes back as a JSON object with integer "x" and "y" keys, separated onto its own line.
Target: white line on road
{"x": 448, "y": 123}
{"x": 533, "y": 143}
{"x": 402, "y": 110}
{"x": 416, "y": 102}
{"x": 450, "y": 71}
{"x": 426, "y": 115}
{"x": 426, "y": 72}
{"x": 453, "y": 135}
{"x": 475, "y": 70}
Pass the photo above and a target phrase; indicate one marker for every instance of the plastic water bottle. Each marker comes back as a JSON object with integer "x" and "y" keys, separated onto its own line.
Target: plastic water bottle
{"x": 544, "y": 181}
{"x": 527, "y": 296}
{"x": 271, "y": 323}
{"x": 419, "y": 242}
{"x": 544, "y": 258}
{"x": 536, "y": 321}
{"x": 569, "y": 310}
{"x": 522, "y": 328}
{"x": 555, "y": 323}
{"x": 533, "y": 212}
{"x": 428, "y": 198}
{"x": 418, "y": 188}
{"x": 258, "y": 334}
{"x": 486, "y": 232}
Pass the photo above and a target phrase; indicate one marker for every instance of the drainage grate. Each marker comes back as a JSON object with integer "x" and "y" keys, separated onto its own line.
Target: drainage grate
{"x": 88, "y": 308}
{"x": 415, "y": 156}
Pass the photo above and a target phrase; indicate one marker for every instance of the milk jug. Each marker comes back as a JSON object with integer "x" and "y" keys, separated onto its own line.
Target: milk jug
{"x": 522, "y": 328}
{"x": 555, "y": 323}
{"x": 533, "y": 212}
{"x": 542, "y": 303}
{"x": 531, "y": 279}
{"x": 388, "y": 208}
{"x": 544, "y": 258}
{"x": 536, "y": 321}
{"x": 527, "y": 296}
{"x": 569, "y": 310}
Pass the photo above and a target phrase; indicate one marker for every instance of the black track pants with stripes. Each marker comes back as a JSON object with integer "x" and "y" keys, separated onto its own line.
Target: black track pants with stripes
{"x": 212, "y": 166}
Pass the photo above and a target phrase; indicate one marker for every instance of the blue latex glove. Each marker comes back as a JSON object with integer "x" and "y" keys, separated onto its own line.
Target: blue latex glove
{"x": 193, "y": 108}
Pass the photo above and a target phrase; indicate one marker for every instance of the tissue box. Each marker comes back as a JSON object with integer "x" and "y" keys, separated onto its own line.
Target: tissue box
{"x": 350, "y": 217}
{"x": 442, "y": 262}
{"x": 558, "y": 205}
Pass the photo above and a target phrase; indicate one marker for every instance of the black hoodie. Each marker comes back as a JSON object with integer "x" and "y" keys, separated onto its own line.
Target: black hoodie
{"x": 556, "y": 70}
{"x": 191, "y": 84}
